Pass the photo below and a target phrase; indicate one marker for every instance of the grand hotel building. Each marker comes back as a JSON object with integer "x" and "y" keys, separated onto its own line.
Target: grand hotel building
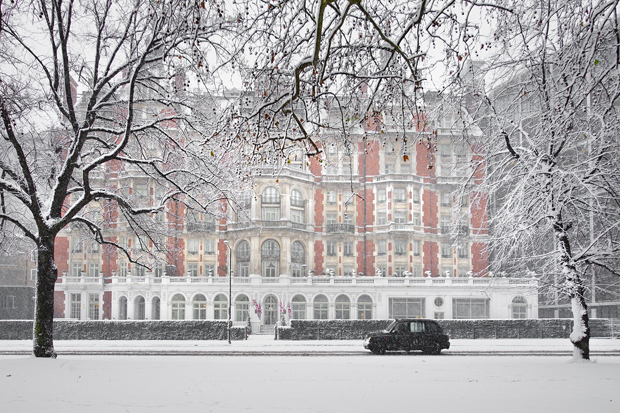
{"x": 364, "y": 234}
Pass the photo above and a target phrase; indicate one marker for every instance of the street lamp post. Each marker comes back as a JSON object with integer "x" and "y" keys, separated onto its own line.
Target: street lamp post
{"x": 229, "y": 286}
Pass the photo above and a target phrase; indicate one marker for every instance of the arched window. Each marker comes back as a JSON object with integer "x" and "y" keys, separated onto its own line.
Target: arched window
{"x": 298, "y": 259}
{"x": 139, "y": 311}
{"x": 271, "y": 195}
{"x": 155, "y": 305}
{"x": 199, "y": 306}
{"x": 343, "y": 307}
{"x": 519, "y": 307}
{"x": 243, "y": 259}
{"x": 298, "y": 307}
{"x": 242, "y": 308}
{"x": 320, "y": 307}
{"x": 178, "y": 307}
{"x": 270, "y": 257}
{"x": 220, "y": 307}
{"x": 364, "y": 307}
{"x": 122, "y": 308}
{"x": 297, "y": 199}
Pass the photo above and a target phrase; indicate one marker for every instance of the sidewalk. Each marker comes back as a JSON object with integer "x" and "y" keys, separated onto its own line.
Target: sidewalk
{"x": 266, "y": 345}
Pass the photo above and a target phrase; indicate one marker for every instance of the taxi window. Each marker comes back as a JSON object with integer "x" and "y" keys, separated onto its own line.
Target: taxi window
{"x": 417, "y": 327}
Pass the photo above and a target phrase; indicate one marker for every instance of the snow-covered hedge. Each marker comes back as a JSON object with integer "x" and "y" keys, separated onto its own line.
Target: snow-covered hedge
{"x": 528, "y": 328}
{"x": 125, "y": 330}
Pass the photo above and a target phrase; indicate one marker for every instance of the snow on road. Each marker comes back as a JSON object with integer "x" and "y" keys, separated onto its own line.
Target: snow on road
{"x": 357, "y": 384}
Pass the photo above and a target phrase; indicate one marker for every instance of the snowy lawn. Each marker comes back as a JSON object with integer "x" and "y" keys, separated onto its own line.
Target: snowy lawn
{"x": 364, "y": 383}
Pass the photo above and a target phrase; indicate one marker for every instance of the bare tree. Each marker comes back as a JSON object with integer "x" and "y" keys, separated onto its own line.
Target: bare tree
{"x": 92, "y": 91}
{"x": 547, "y": 97}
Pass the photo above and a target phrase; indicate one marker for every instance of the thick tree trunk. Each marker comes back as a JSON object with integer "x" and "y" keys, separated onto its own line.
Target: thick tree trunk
{"x": 580, "y": 336}
{"x": 43, "y": 337}
{"x": 574, "y": 286}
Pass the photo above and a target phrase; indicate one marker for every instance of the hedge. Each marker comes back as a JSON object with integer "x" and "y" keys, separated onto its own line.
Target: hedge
{"x": 125, "y": 330}
{"x": 471, "y": 329}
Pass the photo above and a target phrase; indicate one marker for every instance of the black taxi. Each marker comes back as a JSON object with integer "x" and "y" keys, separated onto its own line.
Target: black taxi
{"x": 408, "y": 335}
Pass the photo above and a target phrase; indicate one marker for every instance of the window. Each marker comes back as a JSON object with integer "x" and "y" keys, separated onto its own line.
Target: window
{"x": 389, "y": 148}
{"x": 446, "y": 250}
{"x": 141, "y": 189}
{"x": 271, "y": 214}
{"x": 446, "y": 199}
{"x": 243, "y": 251}
{"x": 364, "y": 308}
{"x": 519, "y": 307}
{"x": 297, "y": 216}
{"x": 415, "y": 219}
{"x": 400, "y": 195}
{"x": 76, "y": 269}
{"x": 463, "y": 251}
{"x": 297, "y": 200}
{"x": 155, "y": 306}
{"x": 77, "y": 246}
{"x": 348, "y": 248}
{"x": 271, "y": 196}
{"x": 462, "y": 272}
{"x": 331, "y": 149}
{"x": 220, "y": 307}
{"x": 399, "y": 270}
{"x": 405, "y": 168}
{"x": 416, "y": 248}
{"x": 417, "y": 271}
{"x": 400, "y": 247}
{"x": 124, "y": 269}
{"x": 347, "y": 218}
{"x": 415, "y": 196}
{"x": 94, "y": 247}
{"x": 331, "y": 249}
{"x": 93, "y": 269}
{"x": 331, "y": 197}
{"x": 470, "y": 308}
{"x": 158, "y": 270}
{"x": 242, "y": 308}
{"x": 199, "y": 307}
{"x": 381, "y": 271}
{"x": 381, "y": 220}
{"x": 210, "y": 246}
{"x": 192, "y": 269}
{"x": 320, "y": 307}
{"x": 246, "y": 199}
{"x": 331, "y": 219}
{"x": 445, "y": 152}
{"x": 389, "y": 168}
{"x": 298, "y": 253}
{"x": 381, "y": 247}
{"x": 122, "y": 308}
{"x": 343, "y": 307}
{"x": 210, "y": 270}
{"x": 381, "y": 196}
{"x": 446, "y": 271}
{"x": 243, "y": 269}
{"x": 76, "y": 306}
{"x": 298, "y": 308}
{"x": 407, "y": 307}
{"x": 139, "y": 309}
{"x": 400, "y": 217}
{"x": 178, "y": 307}
{"x": 445, "y": 222}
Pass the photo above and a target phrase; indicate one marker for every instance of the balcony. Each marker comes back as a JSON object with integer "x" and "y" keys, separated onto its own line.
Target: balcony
{"x": 340, "y": 228}
{"x": 200, "y": 226}
{"x": 299, "y": 203}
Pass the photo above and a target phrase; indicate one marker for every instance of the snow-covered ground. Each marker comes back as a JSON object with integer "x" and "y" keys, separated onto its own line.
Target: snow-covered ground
{"x": 185, "y": 383}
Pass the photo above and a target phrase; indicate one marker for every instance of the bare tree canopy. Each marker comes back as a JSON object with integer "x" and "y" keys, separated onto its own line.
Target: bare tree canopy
{"x": 97, "y": 90}
{"x": 548, "y": 99}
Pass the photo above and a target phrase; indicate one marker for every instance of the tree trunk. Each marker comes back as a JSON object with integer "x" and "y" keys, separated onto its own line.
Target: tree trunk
{"x": 580, "y": 336}
{"x": 574, "y": 285}
{"x": 47, "y": 273}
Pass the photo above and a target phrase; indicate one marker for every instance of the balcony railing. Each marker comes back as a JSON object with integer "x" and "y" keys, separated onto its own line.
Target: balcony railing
{"x": 201, "y": 226}
{"x": 439, "y": 282}
{"x": 299, "y": 203}
{"x": 271, "y": 199}
{"x": 340, "y": 228}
